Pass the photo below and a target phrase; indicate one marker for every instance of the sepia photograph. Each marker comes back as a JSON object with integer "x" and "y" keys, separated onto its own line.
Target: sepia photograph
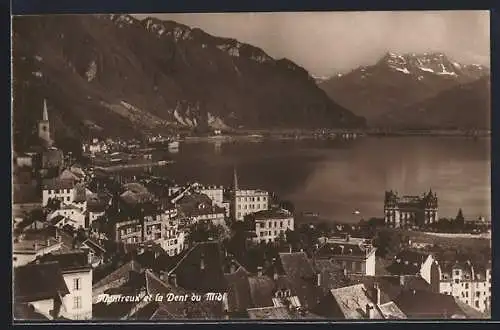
{"x": 283, "y": 166}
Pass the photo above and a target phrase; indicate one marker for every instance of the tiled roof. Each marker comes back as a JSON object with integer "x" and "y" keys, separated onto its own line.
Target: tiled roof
{"x": 113, "y": 274}
{"x": 205, "y": 260}
{"x": 331, "y": 274}
{"x": 470, "y": 312}
{"x": 301, "y": 274}
{"x": 418, "y": 304}
{"x": 134, "y": 285}
{"x": 57, "y": 184}
{"x": 261, "y": 290}
{"x": 67, "y": 261}
{"x": 239, "y": 296}
{"x": 27, "y": 280}
{"x": 180, "y": 309}
{"x": 352, "y": 301}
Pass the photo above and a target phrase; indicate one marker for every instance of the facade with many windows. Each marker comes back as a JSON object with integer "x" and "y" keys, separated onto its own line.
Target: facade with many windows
{"x": 467, "y": 283}
{"x": 246, "y": 202}
{"x": 270, "y": 224}
{"x": 63, "y": 190}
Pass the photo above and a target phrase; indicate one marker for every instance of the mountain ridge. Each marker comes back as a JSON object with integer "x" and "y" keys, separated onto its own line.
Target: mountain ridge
{"x": 126, "y": 75}
{"x": 397, "y": 81}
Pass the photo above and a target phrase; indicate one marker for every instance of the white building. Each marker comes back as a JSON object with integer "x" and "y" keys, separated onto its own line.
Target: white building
{"x": 71, "y": 212}
{"x": 173, "y": 241}
{"x": 270, "y": 224}
{"x": 77, "y": 273}
{"x": 215, "y": 193}
{"x": 354, "y": 255}
{"x": 468, "y": 284}
{"x": 249, "y": 201}
{"x": 63, "y": 190}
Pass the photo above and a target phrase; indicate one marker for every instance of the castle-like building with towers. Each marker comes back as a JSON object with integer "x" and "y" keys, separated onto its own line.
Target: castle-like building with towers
{"x": 409, "y": 211}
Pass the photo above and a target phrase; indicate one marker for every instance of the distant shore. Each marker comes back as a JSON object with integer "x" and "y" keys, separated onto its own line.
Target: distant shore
{"x": 332, "y": 134}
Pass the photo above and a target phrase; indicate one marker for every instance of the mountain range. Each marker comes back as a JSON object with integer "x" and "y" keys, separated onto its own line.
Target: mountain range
{"x": 123, "y": 76}
{"x": 415, "y": 91}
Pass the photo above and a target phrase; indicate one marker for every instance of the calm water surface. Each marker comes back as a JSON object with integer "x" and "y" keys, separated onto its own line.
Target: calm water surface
{"x": 336, "y": 178}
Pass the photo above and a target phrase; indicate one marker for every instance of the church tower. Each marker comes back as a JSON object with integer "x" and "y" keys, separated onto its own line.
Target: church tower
{"x": 44, "y": 127}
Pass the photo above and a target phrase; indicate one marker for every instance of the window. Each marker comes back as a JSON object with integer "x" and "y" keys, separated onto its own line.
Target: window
{"x": 77, "y": 284}
{"x": 457, "y": 272}
{"x": 77, "y": 302}
{"x": 457, "y": 281}
{"x": 467, "y": 294}
{"x": 477, "y": 303}
{"x": 466, "y": 286}
{"x": 478, "y": 294}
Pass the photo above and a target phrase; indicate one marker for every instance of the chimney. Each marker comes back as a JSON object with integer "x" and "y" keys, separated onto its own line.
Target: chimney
{"x": 318, "y": 279}
{"x": 35, "y": 246}
{"x": 173, "y": 279}
{"x": 377, "y": 294}
{"x": 401, "y": 280}
{"x": 289, "y": 248}
{"x": 345, "y": 272}
{"x": 89, "y": 258}
{"x": 370, "y": 311}
{"x": 47, "y": 241}
{"x": 232, "y": 266}
{"x": 347, "y": 237}
{"x": 202, "y": 261}
{"x": 275, "y": 270}
{"x": 259, "y": 271}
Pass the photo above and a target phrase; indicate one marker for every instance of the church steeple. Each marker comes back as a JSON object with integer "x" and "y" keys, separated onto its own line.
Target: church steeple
{"x": 45, "y": 115}
{"x": 44, "y": 126}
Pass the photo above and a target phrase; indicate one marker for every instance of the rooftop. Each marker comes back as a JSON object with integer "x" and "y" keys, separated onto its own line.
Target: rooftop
{"x": 418, "y": 304}
{"x": 68, "y": 260}
{"x": 26, "y": 289}
{"x": 352, "y": 301}
{"x": 272, "y": 214}
{"x": 57, "y": 184}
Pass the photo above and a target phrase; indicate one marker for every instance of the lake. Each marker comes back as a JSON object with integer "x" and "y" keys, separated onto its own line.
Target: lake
{"x": 335, "y": 178}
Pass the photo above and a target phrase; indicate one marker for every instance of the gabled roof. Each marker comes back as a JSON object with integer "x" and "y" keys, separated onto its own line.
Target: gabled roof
{"x": 57, "y": 184}
{"x": 302, "y": 276}
{"x": 96, "y": 248}
{"x": 261, "y": 291}
{"x": 28, "y": 280}
{"x": 238, "y": 296}
{"x": 205, "y": 260}
{"x": 180, "y": 309}
{"x": 331, "y": 274}
{"x": 417, "y": 304}
{"x": 68, "y": 261}
{"x": 352, "y": 301}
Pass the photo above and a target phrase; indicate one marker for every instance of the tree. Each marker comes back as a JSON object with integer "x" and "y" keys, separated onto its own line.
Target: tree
{"x": 388, "y": 243}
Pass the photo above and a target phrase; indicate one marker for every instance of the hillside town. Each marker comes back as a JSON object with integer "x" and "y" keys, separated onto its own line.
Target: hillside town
{"x": 111, "y": 246}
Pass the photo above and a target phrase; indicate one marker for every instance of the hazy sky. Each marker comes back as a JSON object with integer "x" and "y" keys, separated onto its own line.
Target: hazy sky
{"x": 329, "y": 42}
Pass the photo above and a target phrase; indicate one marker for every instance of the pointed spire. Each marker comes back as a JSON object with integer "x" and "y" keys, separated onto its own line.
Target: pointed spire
{"x": 235, "y": 179}
{"x": 45, "y": 115}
